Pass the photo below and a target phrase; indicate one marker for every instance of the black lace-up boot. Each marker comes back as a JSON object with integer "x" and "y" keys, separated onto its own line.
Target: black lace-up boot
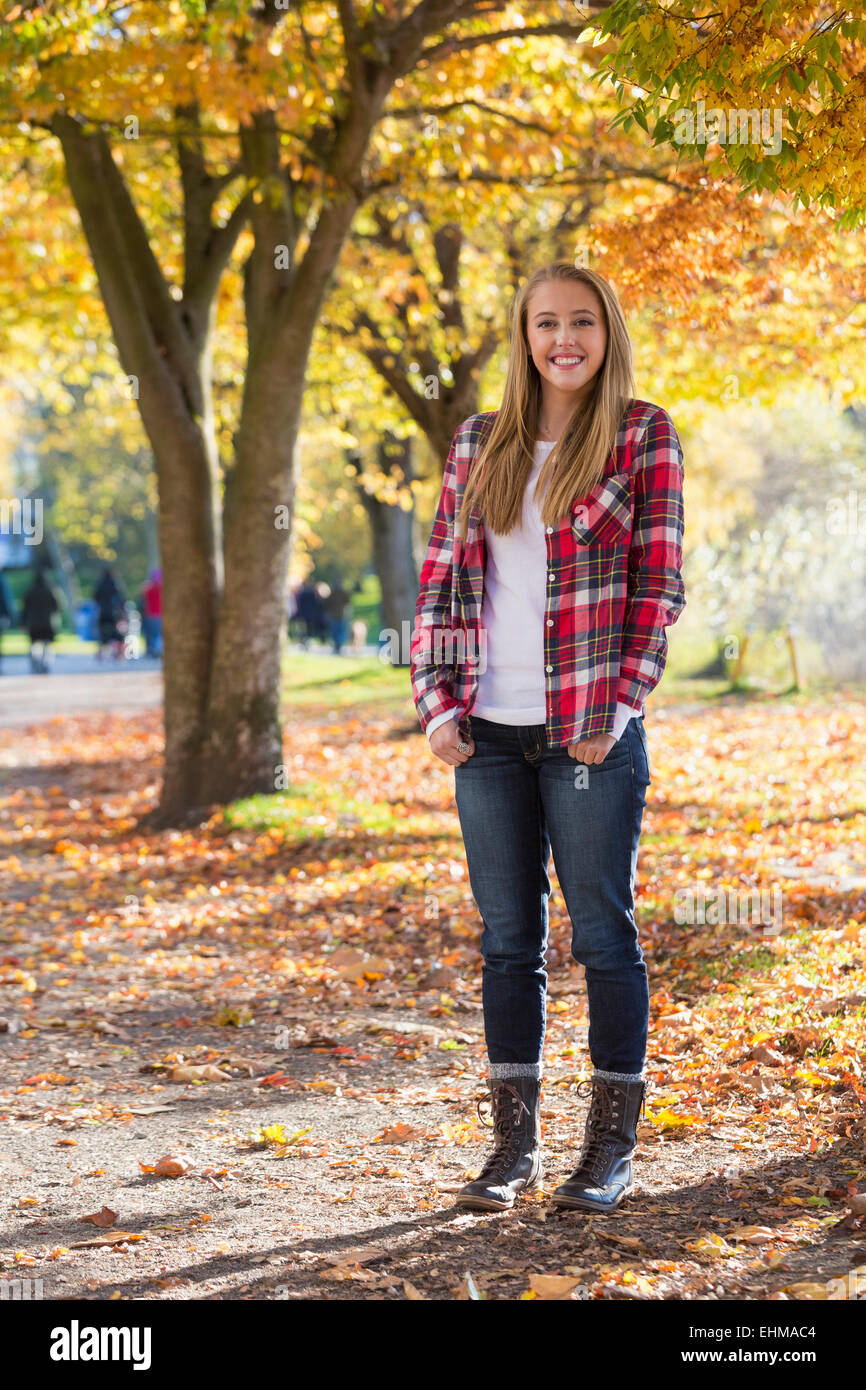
{"x": 515, "y": 1164}
{"x": 603, "y": 1175}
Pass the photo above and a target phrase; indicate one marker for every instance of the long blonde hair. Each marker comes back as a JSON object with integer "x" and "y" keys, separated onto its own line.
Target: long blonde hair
{"x": 576, "y": 462}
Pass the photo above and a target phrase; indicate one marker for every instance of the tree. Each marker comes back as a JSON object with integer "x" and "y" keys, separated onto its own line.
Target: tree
{"x": 269, "y": 115}
{"x": 750, "y": 64}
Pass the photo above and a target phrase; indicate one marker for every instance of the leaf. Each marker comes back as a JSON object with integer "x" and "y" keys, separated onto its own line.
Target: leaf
{"x": 669, "y": 1119}
{"x": 410, "y": 1290}
{"x": 552, "y": 1286}
{"x": 147, "y": 1109}
{"x": 358, "y": 1256}
{"x": 270, "y": 1134}
{"x": 767, "y": 1056}
{"x": 400, "y": 1134}
{"x": 184, "y": 1072}
{"x": 468, "y": 1289}
{"x": 238, "y": 1063}
{"x": 298, "y": 1135}
{"x": 104, "y": 1217}
{"x": 714, "y": 1246}
{"x": 233, "y": 1016}
{"x": 115, "y": 1238}
{"x": 753, "y": 1235}
{"x": 172, "y": 1166}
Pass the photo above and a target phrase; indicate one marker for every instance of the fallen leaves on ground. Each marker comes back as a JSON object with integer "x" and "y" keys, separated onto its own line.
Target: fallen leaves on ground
{"x": 346, "y": 948}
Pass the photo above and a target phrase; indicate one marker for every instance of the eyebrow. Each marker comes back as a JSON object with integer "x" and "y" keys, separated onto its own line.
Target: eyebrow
{"x": 549, "y": 313}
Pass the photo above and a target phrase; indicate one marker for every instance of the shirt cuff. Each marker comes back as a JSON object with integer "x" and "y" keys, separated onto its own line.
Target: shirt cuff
{"x": 623, "y": 714}
{"x": 440, "y": 719}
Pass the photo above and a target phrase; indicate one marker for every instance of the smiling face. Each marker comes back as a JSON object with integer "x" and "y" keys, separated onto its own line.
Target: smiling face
{"x": 567, "y": 338}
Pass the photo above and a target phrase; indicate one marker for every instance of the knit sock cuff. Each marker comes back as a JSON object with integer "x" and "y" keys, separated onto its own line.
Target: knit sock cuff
{"x": 502, "y": 1070}
{"x": 618, "y": 1075}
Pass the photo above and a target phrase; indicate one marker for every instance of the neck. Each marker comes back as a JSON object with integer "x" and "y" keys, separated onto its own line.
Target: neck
{"x": 556, "y": 411}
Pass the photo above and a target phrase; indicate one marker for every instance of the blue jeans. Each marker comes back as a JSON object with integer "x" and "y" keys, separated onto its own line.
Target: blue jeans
{"x": 339, "y": 633}
{"x": 518, "y": 798}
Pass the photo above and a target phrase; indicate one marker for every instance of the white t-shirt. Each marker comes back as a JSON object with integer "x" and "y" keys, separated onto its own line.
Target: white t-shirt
{"x": 511, "y": 688}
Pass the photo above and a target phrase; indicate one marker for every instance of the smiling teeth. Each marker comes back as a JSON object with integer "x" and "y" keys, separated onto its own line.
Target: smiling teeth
{"x": 564, "y": 361}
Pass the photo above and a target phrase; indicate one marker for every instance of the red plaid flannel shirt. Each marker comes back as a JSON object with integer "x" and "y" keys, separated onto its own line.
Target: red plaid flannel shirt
{"x": 614, "y": 585}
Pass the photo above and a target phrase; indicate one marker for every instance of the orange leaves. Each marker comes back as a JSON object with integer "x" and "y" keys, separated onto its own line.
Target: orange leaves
{"x": 184, "y": 1072}
{"x": 342, "y": 955}
{"x": 104, "y": 1217}
{"x": 400, "y": 1134}
{"x": 351, "y": 964}
{"x": 171, "y": 1166}
{"x": 553, "y": 1286}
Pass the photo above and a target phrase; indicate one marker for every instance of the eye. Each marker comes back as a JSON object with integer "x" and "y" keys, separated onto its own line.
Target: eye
{"x": 544, "y": 322}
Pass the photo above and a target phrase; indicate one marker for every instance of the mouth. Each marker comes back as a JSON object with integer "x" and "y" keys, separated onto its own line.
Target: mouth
{"x": 565, "y": 361}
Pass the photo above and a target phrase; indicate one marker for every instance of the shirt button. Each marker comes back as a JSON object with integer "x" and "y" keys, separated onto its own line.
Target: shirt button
{"x": 549, "y": 530}
{"x": 548, "y": 668}
{"x": 552, "y": 575}
{"x": 550, "y": 622}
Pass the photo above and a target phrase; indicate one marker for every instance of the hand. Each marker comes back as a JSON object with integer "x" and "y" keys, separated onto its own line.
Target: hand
{"x": 590, "y": 750}
{"x": 444, "y": 741}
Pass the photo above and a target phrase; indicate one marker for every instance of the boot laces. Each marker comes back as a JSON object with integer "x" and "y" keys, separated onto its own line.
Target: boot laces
{"x": 602, "y": 1126}
{"x": 506, "y": 1105}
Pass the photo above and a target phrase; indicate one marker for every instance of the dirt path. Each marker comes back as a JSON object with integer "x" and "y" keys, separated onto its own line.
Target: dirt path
{"x": 25, "y": 699}
{"x": 123, "y": 956}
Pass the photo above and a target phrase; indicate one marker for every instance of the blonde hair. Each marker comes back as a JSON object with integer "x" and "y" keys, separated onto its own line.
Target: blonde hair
{"x": 576, "y": 462}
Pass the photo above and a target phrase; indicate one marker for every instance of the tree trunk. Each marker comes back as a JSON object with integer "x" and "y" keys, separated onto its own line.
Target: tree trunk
{"x": 243, "y": 720}
{"x": 242, "y": 748}
{"x": 163, "y": 345}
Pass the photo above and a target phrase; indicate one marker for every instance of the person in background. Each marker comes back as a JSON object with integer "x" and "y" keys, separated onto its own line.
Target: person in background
{"x": 292, "y": 612}
{"x": 109, "y": 596}
{"x": 7, "y": 611}
{"x": 338, "y": 605}
{"x": 309, "y": 612}
{"x": 358, "y": 639}
{"x": 37, "y": 617}
{"x": 151, "y": 613}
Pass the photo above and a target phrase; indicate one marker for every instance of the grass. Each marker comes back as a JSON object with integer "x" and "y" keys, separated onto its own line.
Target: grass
{"x": 319, "y": 810}
{"x": 318, "y": 679}
{"x": 17, "y": 643}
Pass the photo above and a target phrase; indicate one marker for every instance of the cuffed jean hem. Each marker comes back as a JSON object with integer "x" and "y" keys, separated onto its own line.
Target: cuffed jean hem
{"x": 618, "y": 1075}
{"x": 500, "y": 1071}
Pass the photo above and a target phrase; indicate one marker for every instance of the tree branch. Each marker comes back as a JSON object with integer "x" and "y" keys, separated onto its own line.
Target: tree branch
{"x": 458, "y": 45}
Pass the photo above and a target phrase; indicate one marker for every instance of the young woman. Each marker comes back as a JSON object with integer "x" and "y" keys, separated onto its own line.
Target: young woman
{"x": 539, "y": 633}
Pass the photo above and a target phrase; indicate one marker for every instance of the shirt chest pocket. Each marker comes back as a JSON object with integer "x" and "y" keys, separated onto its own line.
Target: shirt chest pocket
{"x": 604, "y": 515}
